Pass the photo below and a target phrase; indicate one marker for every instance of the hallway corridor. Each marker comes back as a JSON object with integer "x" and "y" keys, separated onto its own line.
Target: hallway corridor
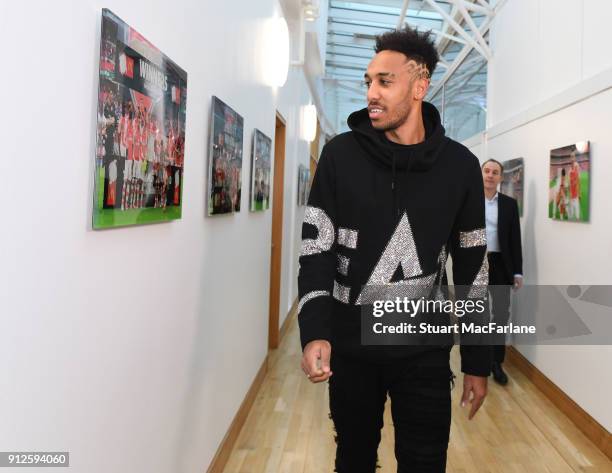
{"x": 518, "y": 430}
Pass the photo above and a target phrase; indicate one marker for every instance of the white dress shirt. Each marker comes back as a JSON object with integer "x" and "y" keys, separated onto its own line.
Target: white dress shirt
{"x": 491, "y": 212}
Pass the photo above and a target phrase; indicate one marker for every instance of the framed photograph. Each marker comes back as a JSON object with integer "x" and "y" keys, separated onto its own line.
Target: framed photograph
{"x": 259, "y": 195}
{"x": 303, "y": 184}
{"x": 140, "y": 151}
{"x": 225, "y": 159}
{"x": 513, "y": 183}
{"x": 570, "y": 177}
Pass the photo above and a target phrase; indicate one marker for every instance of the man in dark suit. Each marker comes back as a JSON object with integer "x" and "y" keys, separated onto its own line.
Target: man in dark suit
{"x": 504, "y": 254}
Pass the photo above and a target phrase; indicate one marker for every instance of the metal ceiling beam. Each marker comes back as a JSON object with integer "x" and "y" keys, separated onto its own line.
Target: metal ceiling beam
{"x": 348, "y": 45}
{"x": 458, "y": 28}
{"x": 389, "y": 4}
{"x": 359, "y": 10}
{"x": 339, "y": 33}
{"x": 465, "y": 51}
{"x": 406, "y": 14}
{"x": 468, "y": 19}
{"x": 402, "y": 17}
{"x": 344, "y": 75}
{"x": 477, "y": 8}
{"x": 449, "y": 36}
{"x": 343, "y": 21}
{"x": 446, "y": 28}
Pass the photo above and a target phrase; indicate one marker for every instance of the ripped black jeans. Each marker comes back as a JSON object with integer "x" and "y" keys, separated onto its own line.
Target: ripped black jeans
{"x": 419, "y": 389}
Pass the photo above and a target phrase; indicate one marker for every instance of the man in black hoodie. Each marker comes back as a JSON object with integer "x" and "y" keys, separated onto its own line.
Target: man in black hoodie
{"x": 390, "y": 199}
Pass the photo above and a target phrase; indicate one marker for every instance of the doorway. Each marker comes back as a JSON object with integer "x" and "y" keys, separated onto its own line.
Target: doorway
{"x": 276, "y": 246}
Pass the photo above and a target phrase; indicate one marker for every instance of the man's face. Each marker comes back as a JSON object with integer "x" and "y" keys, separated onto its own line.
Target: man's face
{"x": 491, "y": 175}
{"x": 394, "y": 84}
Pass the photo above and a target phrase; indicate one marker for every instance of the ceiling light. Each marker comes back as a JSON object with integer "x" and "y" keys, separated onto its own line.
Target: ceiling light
{"x": 277, "y": 56}
{"x": 311, "y": 13}
{"x": 309, "y": 122}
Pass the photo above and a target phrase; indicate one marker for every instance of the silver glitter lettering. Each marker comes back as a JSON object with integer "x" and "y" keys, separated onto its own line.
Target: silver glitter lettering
{"x": 347, "y": 237}
{"x": 343, "y": 264}
{"x": 442, "y": 260}
{"x": 479, "y": 286}
{"x": 309, "y": 296}
{"x": 401, "y": 249}
{"x": 341, "y": 293}
{"x": 325, "y": 239}
{"x": 474, "y": 238}
{"x": 410, "y": 288}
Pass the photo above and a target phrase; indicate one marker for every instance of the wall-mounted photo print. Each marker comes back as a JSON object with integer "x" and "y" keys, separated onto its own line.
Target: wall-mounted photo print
{"x": 512, "y": 185}
{"x": 140, "y": 149}
{"x": 303, "y": 184}
{"x": 570, "y": 177}
{"x": 225, "y": 159}
{"x": 261, "y": 152}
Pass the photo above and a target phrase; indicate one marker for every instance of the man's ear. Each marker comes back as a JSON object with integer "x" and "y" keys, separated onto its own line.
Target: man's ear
{"x": 421, "y": 88}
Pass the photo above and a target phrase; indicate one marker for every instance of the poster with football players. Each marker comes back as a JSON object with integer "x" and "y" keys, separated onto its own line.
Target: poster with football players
{"x": 259, "y": 197}
{"x": 140, "y": 148}
{"x": 225, "y": 159}
{"x": 303, "y": 185}
{"x": 569, "y": 183}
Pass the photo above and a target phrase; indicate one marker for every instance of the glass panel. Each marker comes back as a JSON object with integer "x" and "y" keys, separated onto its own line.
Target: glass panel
{"x": 465, "y": 98}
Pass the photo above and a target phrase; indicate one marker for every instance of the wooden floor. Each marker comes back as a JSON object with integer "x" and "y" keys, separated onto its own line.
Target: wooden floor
{"x": 516, "y": 431}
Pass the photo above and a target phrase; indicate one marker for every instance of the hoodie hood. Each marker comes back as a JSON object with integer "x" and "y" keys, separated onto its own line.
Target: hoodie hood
{"x": 418, "y": 157}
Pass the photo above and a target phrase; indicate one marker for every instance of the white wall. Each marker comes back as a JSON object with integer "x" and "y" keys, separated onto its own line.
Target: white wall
{"x": 541, "y": 49}
{"x": 297, "y": 152}
{"x": 547, "y": 61}
{"x": 132, "y": 348}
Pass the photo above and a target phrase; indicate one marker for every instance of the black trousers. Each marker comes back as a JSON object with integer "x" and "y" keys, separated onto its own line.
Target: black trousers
{"x": 419, "y": 389}
{"x": 500, "y": 301}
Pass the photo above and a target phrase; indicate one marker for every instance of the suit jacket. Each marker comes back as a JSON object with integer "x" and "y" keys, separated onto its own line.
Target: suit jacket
{"x": 509, "y": 234}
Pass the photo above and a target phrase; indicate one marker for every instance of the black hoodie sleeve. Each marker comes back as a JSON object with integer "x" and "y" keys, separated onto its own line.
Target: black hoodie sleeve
{"x": 317, "y": 255}
{"x": 468, "y": 247}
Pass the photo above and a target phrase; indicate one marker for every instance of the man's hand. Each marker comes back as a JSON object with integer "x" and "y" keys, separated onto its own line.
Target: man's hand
{"x": 315, "y": 360}
{"x": 477, "y": 386}
{"x": 518, "y": 282}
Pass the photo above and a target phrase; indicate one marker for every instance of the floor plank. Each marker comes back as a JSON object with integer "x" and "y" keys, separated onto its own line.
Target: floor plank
{"x": 517, "y": 430}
